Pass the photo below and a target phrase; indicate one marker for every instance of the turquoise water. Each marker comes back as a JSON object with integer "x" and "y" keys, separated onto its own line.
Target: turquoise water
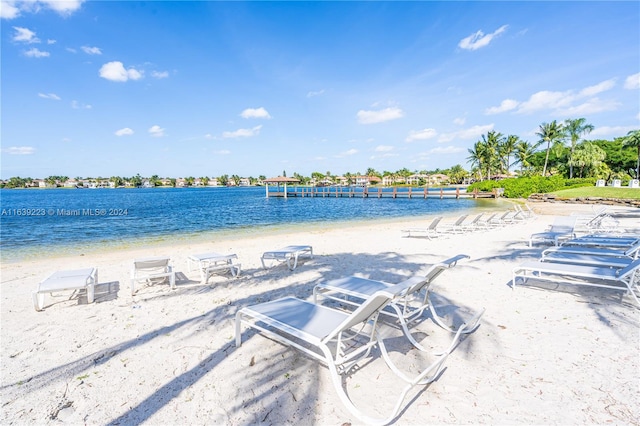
{"x": 76, "y": 220}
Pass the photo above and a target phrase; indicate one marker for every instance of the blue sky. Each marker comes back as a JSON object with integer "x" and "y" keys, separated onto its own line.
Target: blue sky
{"x": 176, "y": 89}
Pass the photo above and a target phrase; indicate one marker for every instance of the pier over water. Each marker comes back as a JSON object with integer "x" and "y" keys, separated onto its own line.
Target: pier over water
{"x": 375, "y": 192}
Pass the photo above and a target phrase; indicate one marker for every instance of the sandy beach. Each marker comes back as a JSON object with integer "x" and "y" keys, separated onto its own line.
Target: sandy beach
{"x": 567, "y": 355}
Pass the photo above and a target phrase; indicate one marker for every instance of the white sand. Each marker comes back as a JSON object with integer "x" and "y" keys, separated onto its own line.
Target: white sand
{"x": 541, "y": 356}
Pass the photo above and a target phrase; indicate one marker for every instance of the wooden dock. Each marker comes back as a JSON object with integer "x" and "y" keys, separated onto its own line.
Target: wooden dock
{"x": 376, "y": 192}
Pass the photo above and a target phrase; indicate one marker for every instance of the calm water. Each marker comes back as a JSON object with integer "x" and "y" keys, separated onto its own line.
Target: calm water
{"x": 68, "y": 220}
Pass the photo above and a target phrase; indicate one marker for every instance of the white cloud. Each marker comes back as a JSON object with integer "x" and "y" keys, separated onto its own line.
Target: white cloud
{"x": 506, "y": 105}
{"x": 420, "y": 135}
{"x": 479, "y": 39}
{"x": 115, "y": 71}
{"x": 632, "y": 82}
{"x": 446, "y": 150}
{"x": 591, "y": 106}
{"x": 91, "y": 50}
{"x": 222, "y": 152}
{"x": 611, "y": 131}
{"x": 242, "y": 133}
{"x": 387, "y": 114}
{"x": 159, "y": 74}
{"x": 546, "y": 100}
{"x": 316, "y": 93}
{"x": 255, "y": 113}
{"x": 598, "y": 88}
{"x": 459, "y": 121}
{"x": 124, "y": 132}
{"x": 36, "y": 53}
{"x": 25, "y": 35}
{"x": 79, "y": 105}
{"x": 49, "y": 96}
{"x": 50, "y": 41}
{"x": 470, "y": 133}
{"x": 156, "y": 131}
{"x": 19, "y": 150}
{"x": 351, "y": 151}
{"x": 10, "y": 9}
{"x": 383, "y": 148}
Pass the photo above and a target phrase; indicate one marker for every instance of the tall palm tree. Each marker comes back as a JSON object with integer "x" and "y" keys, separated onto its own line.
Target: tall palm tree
{"x": 576, "y": 128}
{"x": 476, "y": 155}
{"x": 507, "y": 148}
{"x": 549, "y": 133}
{"x": 633, "y": 139}
{"x": 524, "y": 150}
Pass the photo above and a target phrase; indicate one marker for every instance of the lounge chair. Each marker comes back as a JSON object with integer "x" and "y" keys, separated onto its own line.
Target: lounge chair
{"x": 562, "y": 229}
{"x": 407, "y": 306}
{"x": 338, "y": 339}
{"x": 429, "y": 232}
{"x": 454, "y": 228}
{"x": 587, "y": 259}
{"x": 78, "y": 279}
{"x": 474, "y": 224}
{"x": 152, "y": 270}
{"x": 487, "y": 223}
{"x": 287, "y": 254}
{"x": 610, "y": 241}
{"x": 212, "y": 263}
{"x": 631, "y": 252}
{"x": 595, "y": 276}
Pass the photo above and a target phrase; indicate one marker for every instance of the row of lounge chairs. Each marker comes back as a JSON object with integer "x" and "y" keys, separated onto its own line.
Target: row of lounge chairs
{"x": 464, "y": 223}
{"x": 157, "y": 270}
{"x": 603, "y": 260}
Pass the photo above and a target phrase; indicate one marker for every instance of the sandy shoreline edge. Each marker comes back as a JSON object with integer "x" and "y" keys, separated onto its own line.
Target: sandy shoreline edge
{"x": 167, "y": 357}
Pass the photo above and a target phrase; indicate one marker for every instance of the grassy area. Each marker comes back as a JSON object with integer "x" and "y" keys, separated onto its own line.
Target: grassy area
{"x": 603, "y": 192}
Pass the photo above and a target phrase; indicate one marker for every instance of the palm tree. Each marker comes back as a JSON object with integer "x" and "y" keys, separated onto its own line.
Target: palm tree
{"x": 476, "y": 155}
{"x": 633, "y": 139}
{"x": 549, "y": 132}
{"x": 575, "y": 128}
{"x": 507, "y": 148}
{"x": 524, "y": 150}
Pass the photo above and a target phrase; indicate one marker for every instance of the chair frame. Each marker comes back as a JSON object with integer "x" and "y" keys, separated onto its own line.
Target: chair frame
{"x": 407, "y": 306}
{"x": 332, "y": 340}
{"x": 429, "y": 232}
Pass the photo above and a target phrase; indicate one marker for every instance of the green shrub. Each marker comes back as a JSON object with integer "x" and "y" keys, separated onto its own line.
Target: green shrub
{"x": 523, "y": 187}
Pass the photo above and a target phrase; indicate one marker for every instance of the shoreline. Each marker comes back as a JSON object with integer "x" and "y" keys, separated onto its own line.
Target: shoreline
{"x": 541, "y": 355}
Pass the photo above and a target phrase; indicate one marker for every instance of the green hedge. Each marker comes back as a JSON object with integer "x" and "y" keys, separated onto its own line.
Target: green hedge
{"x": 523, "y": 187}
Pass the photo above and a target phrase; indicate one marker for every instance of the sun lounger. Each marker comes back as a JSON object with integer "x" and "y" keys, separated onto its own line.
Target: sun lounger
{"x": 152, "y": 270}
{"x": 631, "y": 252}
{"x": 429, "y": 232}
{"x": 78, "y": 279}
{"x": 455, "y": 227}
{"x": 407, "y": 306}
{"x": 595, "y": 276}
{"x": 587, "y": 259}
{"x": 595, "y": 240}
{"x": 562, "y": 229}
{"x": 338, "y": 339}
{"x": 287, "y": 254}
{"x": 212, "y": 263}
{"x": 474, "y": 224}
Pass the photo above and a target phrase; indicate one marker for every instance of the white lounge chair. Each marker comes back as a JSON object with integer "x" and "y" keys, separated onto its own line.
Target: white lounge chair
{"x": 631, "y": 252}
{"x": 336, "y": 338}
{"x": 152, "y": 270}
{"x": 595, "y": 276}
{"x": 289, "y": 254}
{"x": 455, "y": 227}
{"x": 429, "y": 232}
{"x": 605, "y": 240}
{"x": 407, "y": 306}
{"x": 212, "y": 263}
{"x": 587, "y": 259}
{"x": 77, "y": 279}
{"x": 562, "y": 229}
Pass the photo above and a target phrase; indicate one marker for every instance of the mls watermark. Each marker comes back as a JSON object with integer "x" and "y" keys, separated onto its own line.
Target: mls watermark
{"x": 27, "y": 212}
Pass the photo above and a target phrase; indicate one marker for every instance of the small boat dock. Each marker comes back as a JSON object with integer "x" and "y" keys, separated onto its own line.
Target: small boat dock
{"x": 375, "y": 192}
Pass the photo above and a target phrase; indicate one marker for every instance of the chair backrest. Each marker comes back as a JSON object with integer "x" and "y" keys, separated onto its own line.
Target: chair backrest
{"x": 461, "y": 219}
{"x": 434, "y": 223}
{"x": 151, "y": 263}
{"x": 564, "y": 224}
{"x": 415, "y": 284}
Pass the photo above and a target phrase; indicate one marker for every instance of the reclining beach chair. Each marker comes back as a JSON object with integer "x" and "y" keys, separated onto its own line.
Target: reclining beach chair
{"x": 631, "y": 252}
{"x": 407, "y": 306}
{"x": 596, "y": 276}
{"x": 338, "y": 339}
{"x": 429, "y": 232}
{"x": 454, "y": 228}
{"x": 562, "y": 229}
{"x": 287, "y": 254}
{"x": 78, "y": 279}
{"x": 604, "y": 240}
{"x": 587, "y": 259}
{"x": 152, "y": 270}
